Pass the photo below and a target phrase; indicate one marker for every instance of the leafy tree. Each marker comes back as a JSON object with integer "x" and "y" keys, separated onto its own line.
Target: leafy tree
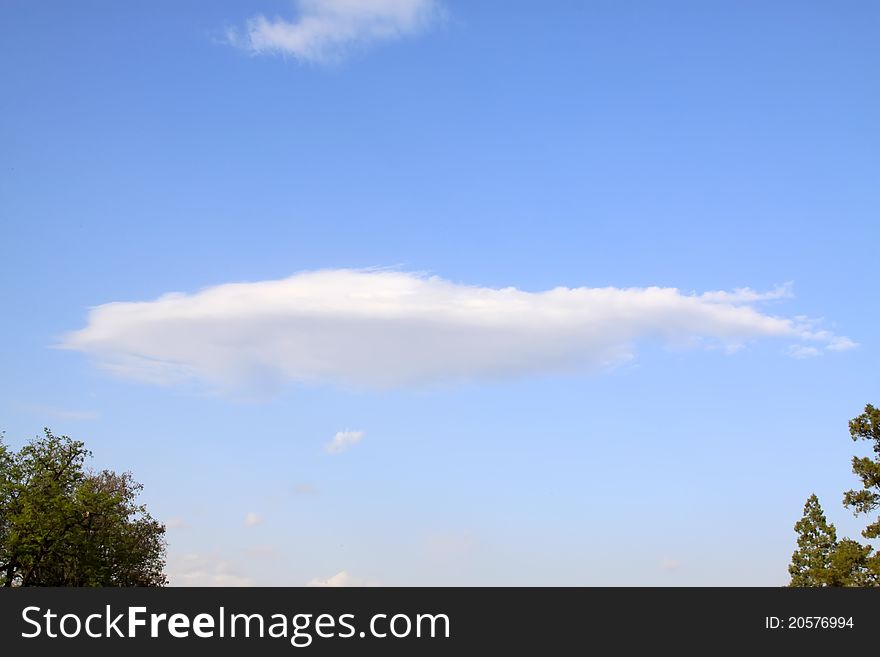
{"x": 817, "y": 542}
{"x": 866, "y": 427}
{"x": 62, "y": 525}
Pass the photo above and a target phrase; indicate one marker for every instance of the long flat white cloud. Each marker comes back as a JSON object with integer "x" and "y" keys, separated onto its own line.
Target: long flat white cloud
{"x": 325, "y": 30}
{"x": 380, "y": 328}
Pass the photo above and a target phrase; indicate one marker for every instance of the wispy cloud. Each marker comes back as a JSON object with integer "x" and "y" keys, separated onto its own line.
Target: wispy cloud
{"x": 828, "y": 343}
{"x": 252, "y": 519}
{"x": 380, "y": 328}
{"x": 177, "y": 523}
{"x": 59, "y": 413}
{"x": 344, "y": 440}
{"x": 326, "y": 30}
{"x": 841, "y": 343}
{"x": 204, "y": 570}
{"x": 801, "y": 351}
{"x": 748, "y": 295}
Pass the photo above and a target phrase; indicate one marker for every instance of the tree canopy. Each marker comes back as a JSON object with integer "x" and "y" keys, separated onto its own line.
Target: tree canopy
{"x": 866, "y": 427}
{"x": 64, "y": 525}
{"x": 823, "y": 560}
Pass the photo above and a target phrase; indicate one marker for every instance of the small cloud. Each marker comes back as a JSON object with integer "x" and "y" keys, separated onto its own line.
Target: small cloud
{"x": 343, "y": 440}
{"x": 326, "y": 30}
{"x": 748, "y": 295}
{"x": 59, "y": 413}
{"x": 203, "y": 570}
{"x": 339, "y": 580}
{"x": 177, "y": 523}
{"x": 252, "y": 519}
{"x": 668, "y": 565}
{"x": 802, "y": 351}
{"x": 77, "y": 416}
{"x": 841, "y": 343}
{"x": 305, "y": 489}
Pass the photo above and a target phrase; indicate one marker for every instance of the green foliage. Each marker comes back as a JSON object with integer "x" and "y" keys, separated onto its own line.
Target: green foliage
{"x": 817, "y": 541}
{"x": 866, "y": 427}
{"x": 853, "y": 565}
{"x": 62, "y": 525}
{"x": 822, "y": 560}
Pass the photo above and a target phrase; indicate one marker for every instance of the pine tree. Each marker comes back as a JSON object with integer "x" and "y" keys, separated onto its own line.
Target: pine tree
{"x": 866, "y": 427}
{"x": 852, "y": 565}
{"x": 817, "y": 541}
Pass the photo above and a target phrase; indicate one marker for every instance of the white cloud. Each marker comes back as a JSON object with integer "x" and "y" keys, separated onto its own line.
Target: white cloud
{"x": 177, "y": 523}
{"x": 203, "y": 570}
{"x": 803, "y": 351}
{"x": 830, "y": 343}
{"x": 343, "y": 440}
{"x": 380, "y": 329}
{"x": 325, "y": 30}
{"x": 252, "y": 519}
{"x": 79, "y": 416}
{"x": 59, "y": 413}
{"x": 340, "y": 579}
{"x": 841, "y": 343}
{"x": 748, "y": 295}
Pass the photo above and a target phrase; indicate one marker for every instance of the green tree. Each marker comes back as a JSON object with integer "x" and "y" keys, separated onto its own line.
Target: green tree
{"x": 852, "y": 564}
{"x": 866, "y": 427}
{"x": 63, "y": 525}
{"x": 822, "y": 560}
{"x": 817, "y": 541}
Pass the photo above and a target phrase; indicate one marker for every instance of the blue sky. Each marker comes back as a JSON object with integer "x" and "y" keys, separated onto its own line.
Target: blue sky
{"x": 178, "y": 147}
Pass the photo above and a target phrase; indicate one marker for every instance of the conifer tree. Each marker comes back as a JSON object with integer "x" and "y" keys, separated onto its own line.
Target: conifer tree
{"x": 852, "y": 565}
{"x": 817, "y": 541}
{"x": 866, "y": 427}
